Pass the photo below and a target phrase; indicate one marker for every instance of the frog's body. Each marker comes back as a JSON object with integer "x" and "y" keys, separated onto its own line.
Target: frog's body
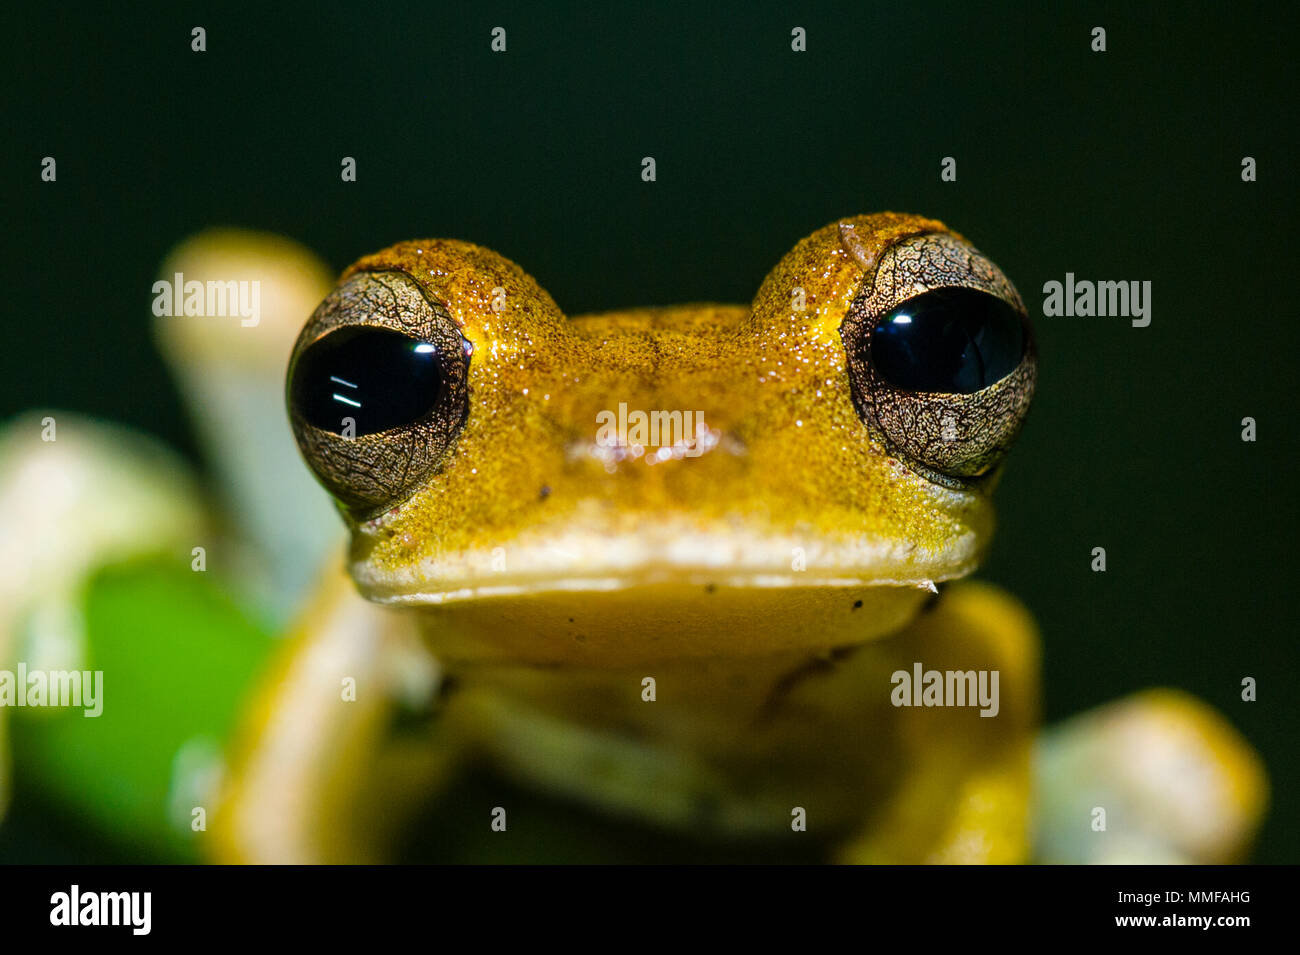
{"x": 702, "y": 630}
{"x": 736, "y": 746}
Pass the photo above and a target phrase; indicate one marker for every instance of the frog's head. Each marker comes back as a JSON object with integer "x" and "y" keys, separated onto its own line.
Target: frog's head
{"x": 696, "y": 480}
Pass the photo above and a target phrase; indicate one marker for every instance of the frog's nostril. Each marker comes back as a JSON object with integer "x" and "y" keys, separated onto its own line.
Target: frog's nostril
{"x": 655, "y": 438}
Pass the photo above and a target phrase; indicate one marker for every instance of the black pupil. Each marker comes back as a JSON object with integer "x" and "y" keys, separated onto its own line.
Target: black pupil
{"x": 381, "y": 379}
{"x": 950, "y": 340}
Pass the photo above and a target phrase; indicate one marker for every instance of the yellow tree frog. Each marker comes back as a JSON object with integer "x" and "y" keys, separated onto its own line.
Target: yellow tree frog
{"x": 698, "y": 565}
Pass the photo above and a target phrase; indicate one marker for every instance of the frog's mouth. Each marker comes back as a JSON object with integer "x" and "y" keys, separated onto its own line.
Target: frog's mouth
{"x": 667, "y": 556}
{"x": 673, "y": 587}
{"x": 617, "y": 606}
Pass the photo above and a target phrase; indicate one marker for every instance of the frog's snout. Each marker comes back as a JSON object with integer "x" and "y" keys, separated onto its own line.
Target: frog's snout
{"x": 652, "y": 439}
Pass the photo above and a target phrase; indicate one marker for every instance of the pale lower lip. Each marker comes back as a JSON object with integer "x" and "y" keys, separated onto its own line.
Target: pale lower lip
{"x": 610, "y": 584}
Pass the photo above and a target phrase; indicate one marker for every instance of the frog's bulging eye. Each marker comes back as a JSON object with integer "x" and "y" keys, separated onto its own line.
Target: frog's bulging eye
{"x": 376, "y": 378}
{"x": 377, "y": 390}
{"x": 950, "y": 340}
{"x": 941, "y": 358}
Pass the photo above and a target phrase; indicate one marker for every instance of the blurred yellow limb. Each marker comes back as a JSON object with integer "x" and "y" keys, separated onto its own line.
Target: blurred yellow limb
{"x": 316, "y": 774}
{"x": 229, "y": 353}
{"x": 963, "y": 794}
{"x": 1157, "y": 777}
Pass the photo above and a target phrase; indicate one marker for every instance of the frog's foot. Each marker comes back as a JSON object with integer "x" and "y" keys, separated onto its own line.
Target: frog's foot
{"x": 1158, "y": 777}
{"x": 965, "y": 792}
{"x": 320, "y": 773}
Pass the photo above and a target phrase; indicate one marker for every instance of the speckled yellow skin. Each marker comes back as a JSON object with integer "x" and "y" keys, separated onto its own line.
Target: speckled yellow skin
{"x": 749, "y": 581}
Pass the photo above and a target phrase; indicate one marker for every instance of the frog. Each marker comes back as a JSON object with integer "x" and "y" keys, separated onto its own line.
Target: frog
{"x": 689, "y": 565}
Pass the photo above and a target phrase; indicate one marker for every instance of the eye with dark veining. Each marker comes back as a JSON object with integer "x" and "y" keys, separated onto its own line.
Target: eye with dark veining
{"x": 941, "y": 357}
{"x": 377, "y": 390}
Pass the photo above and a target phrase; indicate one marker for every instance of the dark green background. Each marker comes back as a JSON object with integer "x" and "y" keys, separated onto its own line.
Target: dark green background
{"x": 1123, "y": 165}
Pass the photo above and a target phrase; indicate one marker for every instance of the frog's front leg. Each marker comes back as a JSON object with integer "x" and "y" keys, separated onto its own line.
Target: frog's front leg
{"x": 1156, "y": 777}
{"x": 317, "y": 775}
{"x": 963, "y": 776}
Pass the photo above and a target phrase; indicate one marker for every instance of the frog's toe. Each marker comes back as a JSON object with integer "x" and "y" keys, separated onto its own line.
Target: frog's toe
{"x": 1156, "y": 777}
